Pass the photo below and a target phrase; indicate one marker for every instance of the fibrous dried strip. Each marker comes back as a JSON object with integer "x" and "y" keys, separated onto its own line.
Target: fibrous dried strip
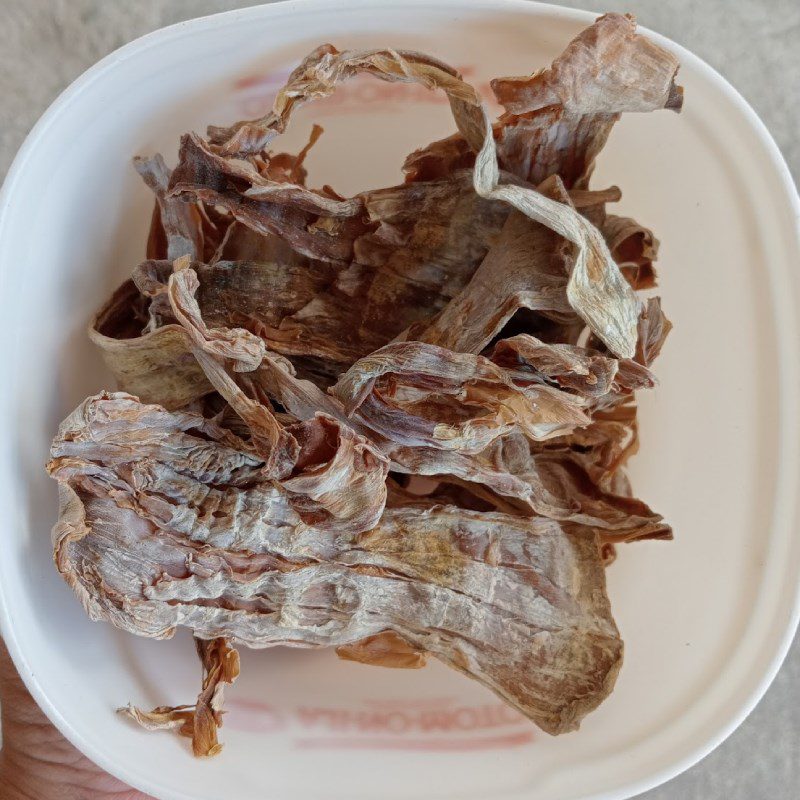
{"x": 424, "y": 244}
{"x": 596, "y": 290}
{"x": 535, "y": 479}
{"x": 423, "y": 402}
{"x": 603, "y": 447}
{"x": 634, "y": 248}
{"x": 591, "y": 373}
{"x": 198, "y": 722}
{"x": 386, "y": 649}
{"x": 292, "y": 213}
{"x": 149, "y": 353}
{"x": 576, "y": 478}
{"x": 607, "y": 69}
{"x": 518, "y": 604}
{"x": 586, "y": 372}
{"x": 257, "y": 296}
{"x": 559, "y": 118}
{"x": 421, "y": 395}
{"x": 178, "y": 227}
{"x": 181, "y": 221}
{"x": 213, "y": 348}
{"x": 428, "y": 242}
{"x": 194, "y": 478}
{"x": 320, "y": 72}
{"x": 156, "y": 366}
{"x": 290, "y": 168}
{"x": 527, "y": 267}
{"x": 634, "y": 373}
{"x": 654, "y": 328}
{"x": 238, "y": 345}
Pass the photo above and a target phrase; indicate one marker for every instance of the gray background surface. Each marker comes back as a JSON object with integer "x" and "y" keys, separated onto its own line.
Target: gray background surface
{"x": 755, "y": 44}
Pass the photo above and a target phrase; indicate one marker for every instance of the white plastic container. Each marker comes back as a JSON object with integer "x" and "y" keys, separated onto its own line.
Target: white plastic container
{"x": 706, "y": 618}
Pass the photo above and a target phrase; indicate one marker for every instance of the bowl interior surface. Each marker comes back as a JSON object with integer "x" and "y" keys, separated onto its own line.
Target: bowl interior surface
{"x": 705, "y": 618}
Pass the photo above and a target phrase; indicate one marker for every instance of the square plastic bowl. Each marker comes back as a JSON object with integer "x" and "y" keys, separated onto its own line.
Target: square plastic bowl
{"x": 706, "y": 619}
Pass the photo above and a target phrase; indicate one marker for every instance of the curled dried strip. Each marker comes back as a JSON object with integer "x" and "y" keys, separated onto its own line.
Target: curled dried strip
{"x": 181, "y": 221}
{"x": 282, "y": 193}
{"x": 527, "y": 267}
{"x": 209, "y": 174}
{"x": 320, "y": 72}
{"x": 654, "y": 327}
{"x": 569, "y": 111}
{"x": 275, "y": 444}
{"x": 629, "y": 73}
{"x": 160, "y": 365}
{"x": 586, "y": 200}
{"x": 452, "y": 491}
{"x": 386, "y": 649}
{"x": 198, "y": 722}
{"x": 258, "y": 296}
{"x": 571, "y": 368}
{"x": 290, "y": 169}
{"x": 215, "y": 347}
{"x": 422, "y": 244}
{"x": 150, "y": 278}
{"x": 633, "y": 373}
{"x": 302, "y": 398}
{"x": 596, "y": 290}
{"x": 420, "y": 395}
{"x": 634, "y": 248}
{"x": 178, "y": 228}
{"x": 558, "y": 119}
{"x": 314, "y": 225}
{"x": 427, "y": 242}
{"x": 156, "y": 365}
{"x": 603, "y": 447}
{"x": 511, "y": 473}
{"x": 536, "y": 480}
{"x": 242, "y": 348}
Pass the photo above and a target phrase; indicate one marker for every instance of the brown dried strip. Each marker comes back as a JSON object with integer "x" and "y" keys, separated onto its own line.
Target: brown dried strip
{"x": 421, "y": 395}
{"x": 201, "y": 721}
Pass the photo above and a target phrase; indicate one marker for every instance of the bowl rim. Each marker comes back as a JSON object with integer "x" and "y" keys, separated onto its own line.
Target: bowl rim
{"x": 789, "y": 393}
